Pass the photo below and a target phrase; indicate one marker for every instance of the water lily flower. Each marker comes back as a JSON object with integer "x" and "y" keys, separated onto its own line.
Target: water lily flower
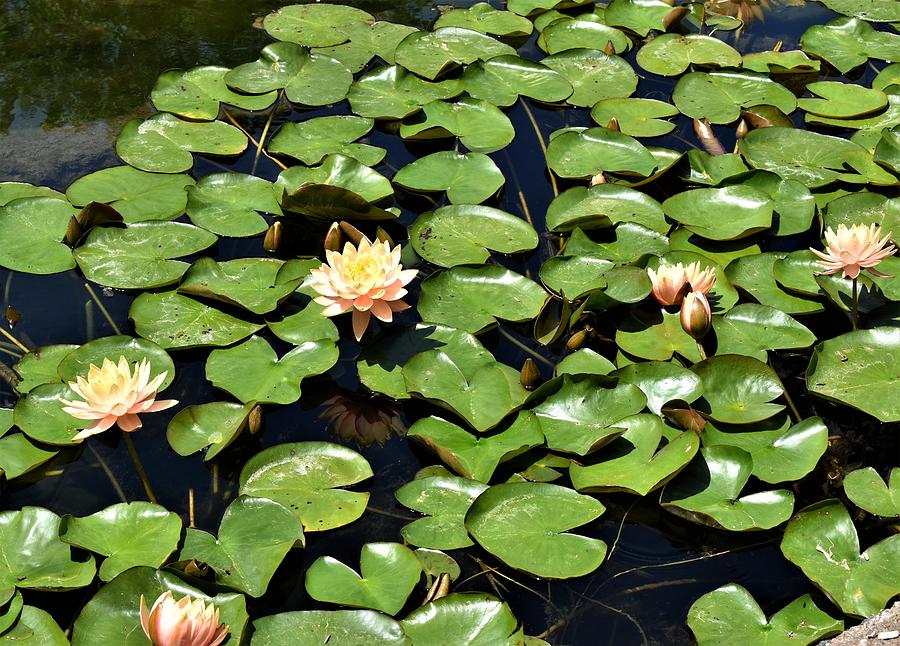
{"x": 113, "y": 395}
{"x": 672, "y": 282}
{"x": 186, "y": 622}
{"x": 696, "y": 315}
{"x": 853, "y": 249}
{"x": 362, "y": 418}
{"x": 367, "y": 279}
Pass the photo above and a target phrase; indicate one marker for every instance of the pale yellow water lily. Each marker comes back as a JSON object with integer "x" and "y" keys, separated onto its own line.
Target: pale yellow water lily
{"x": 186, "y": 622}
{"x": 112, "y": 394}
{"x": 672, "y": 282}
{"x": 853, "y": 249}
{"x": 368, "y": 279}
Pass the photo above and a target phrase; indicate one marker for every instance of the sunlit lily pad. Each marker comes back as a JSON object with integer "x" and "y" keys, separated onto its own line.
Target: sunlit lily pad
{"x": 863, "y": 208}
{"x": 311, "y": 140}
{"x": 860, "y": 369}
{"x": 127, "y": 534}
{"x": 307, "y": 478}
{"x": 722, "y": 213}
{"x": 602, "y": 206}
{"x": 473, "y": 618}
{"x": 708, "y": 491}
{"x": 526, "y": 525}
{"x": 730, "y": 615}
{"x": 445, "y": 501}
{"x": 141, "y": 255}
{"x": 578, "y": 33}
{"x": 484, "y": 18}
{"x": 40, "y": 416}
{"x": 393, "y": 93}
{"x": 39, "y": 367}
{"x": 640, "y": 16}
{"x": 19, "y": 455}
{"x": 738, "y": 389}
{"x": 228, "y": 204}
{"x": 842, "y": 100}
{"x": 480, "y": 126}
{"x": 847, "y": 43}
{"x": 672, "y": 54}
{"x": 254, "y": 536}
{"x": 794, "y": 61}
{"x": 794, "y": 205}
{"x": 636, "y": 117}
{"x": 822, "y": 541}
{"x": 78, "y": 361}
{"x": 871, "y": 10}
{"x": 657, "y": 338}
{"x": 198, "y": 93}
{"x": 468, "y": 178}
{"x": 662, "y": 382}
{"x": 531, "y": 7}
{"x": 503, "y": 79}
{"x": 367, "y": 40}
{"x": 339, "y": 626}
{"x": 31, "y": 233}
{"x": 584, "y": 362}
{"x": 164, "y": 143}
{"x": 135, "y": 194}
{"x": 10, "y": 191}
{"x": 583, "y": 154}
{"x": 593, "y": 75}
{"x": 255, "y": 284}
{"x": 628, "y": 242}
{"x": 211, "y": 426}
{"x": 34, "y": 624}
{"x": 868, "y": 491}
{"x": 719, "y": 96}
{"x": 428, "y": 54}
{"x": 574, "y": 276}
{"x": 756, "y": 275}
{"x": 314, "y": 25}
{"x": 752, "y": 329}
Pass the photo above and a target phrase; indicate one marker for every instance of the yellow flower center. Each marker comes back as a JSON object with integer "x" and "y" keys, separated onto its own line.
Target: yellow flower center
{"x": 362, "y": 270}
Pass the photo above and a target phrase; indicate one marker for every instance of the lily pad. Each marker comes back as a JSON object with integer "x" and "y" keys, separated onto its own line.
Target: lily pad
{"x": 752, "y": 329}
{"x": 657, "y": 338}
{"x": 199, "y": 92}
{"x": 640, "y": 16}
{"x": 602, "y": 206}
{"x": 306, "y": 477}
{"x": 503, "y": 79}
{"x": 584, "y": 362}
{"x": 135, "y": 194}
{"x": 19, "y": 455}
{"x": 756, "y": 275}
{"x": 868, "y": 491}
{"x": 842, "y": 100}
{"x": 719, "y": 96}
{"x": 847, "y": 43}
{"x": 480, "y": 126}
{"x": 484, "y": 18}
{"x": 336, "y": 171}
{"x": 34, "y": 624}
{"x": 228, "y": 204}
{"x": 594, "y": 75}
{"x": 79, "y": 360}
{"x": 388, "y": 573}
{"x": 636, "y": 117}
{"x": 822, "y": 541}
{"x": 429, "y": 54}
{"x": 140, "y": 256}
{"x": 574, "y": 276}
{"x": 256, "y": 284}
{"x": 725, "y": 213}
{"x": 532, "y": 7}
{"x": 708, "y": 491}
{"x": 794, "y": 205}
{"x": 321, "y": 626}
{"x": 211, "y": 426}
{"x": 468, "y": 178}
{"x": 127, "y": 534}
{"x": 738, "y": 389}
{"x": 863, "y": 208}
{"x": 164, "y": 143}
{"x": 662, "y": 382}
{"x": 526, "y": 525}
{"x": 31, "y": 233}
{"x": 580, "y": 33}
{"x": 628, "y": 242}
{"x": 871, "y": 10}
{"x": 393, "y": 93}
{"x": 40, "y": 416}
{"x": 466, "y": 234}
{"x": 311, "y": 140}
{"x": 254, "y": 537}
{"x": 315, "y": 25}
{"x": 860, "y": 369}
{"x": 367, "y": 40}
{"x": 672, "y": 54}
{"x": 473, "y": 618}
{"x": 583, "y": 154}
{"x": 445, "y": 501}
{"x": 10, "y": 191}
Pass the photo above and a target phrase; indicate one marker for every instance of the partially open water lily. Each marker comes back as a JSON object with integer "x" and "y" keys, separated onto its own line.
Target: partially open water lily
{"x": 696, "y": 315}
{"x": 853, "y": 249}
{"x": 186, "y": 622}
{"x": 672, "y": 282}
{"x": 368, "y": 279}
{"x": 112, "y": 394}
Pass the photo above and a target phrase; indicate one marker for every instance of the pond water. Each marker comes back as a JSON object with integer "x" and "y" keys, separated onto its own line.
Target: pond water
{"x": 72, "y": 72}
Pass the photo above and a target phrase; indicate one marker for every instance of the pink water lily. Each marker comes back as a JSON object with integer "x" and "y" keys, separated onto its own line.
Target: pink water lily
{"x": 186, "y": 622}
{"x": 853, "y": 249}
{"x": 112, "y": 394}
{"x": 672, "y": 282}
{"x": 368, "y": 279}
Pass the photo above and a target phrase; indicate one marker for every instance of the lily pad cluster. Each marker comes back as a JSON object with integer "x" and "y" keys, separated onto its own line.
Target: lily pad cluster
{"x": 415, "y": 141}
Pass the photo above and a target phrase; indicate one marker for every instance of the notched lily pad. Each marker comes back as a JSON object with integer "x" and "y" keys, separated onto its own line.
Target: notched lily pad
{"x": 868, "y": 491}
{"x": 468, "y": 178}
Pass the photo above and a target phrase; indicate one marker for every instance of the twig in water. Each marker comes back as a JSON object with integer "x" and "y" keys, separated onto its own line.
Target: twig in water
{"x": 13, "y": 339}
{"x": 262, "y": 137}
{"x": 252, "y": 139}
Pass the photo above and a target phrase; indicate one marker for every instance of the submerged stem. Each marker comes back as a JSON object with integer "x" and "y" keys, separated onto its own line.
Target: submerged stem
{"x": 855, "y": 305}
{"x": 533, "y": 353}
{"x": 262, "y": 138}
{"x": 129, "y": 444}
{"x": 13, "y": 339}
{"x": 540, "y": 138}
{"x": 103, "y": 310}
{"x": 109, "y": 474}
{"x": 237, "y": 125}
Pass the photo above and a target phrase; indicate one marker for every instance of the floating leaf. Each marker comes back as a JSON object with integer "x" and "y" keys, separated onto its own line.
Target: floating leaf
{"x": 640, "y": 16}
{"x": 847, "y": 43}
{"x": 636, "y": 117}
{"x": 311, "y": 140}
{"x": 335, "y": 171}
{"x": 306, "y": 477}
{"x": 227, "y": 204}
{"x": 503, "y": 79}
{"x": 871, "y": 10}
{"x": 863, "y": 208}
{"x": 752, "y": 329}
{"x": 530, "y": 7}
{"x": 584, "y": 362}
{"x": 577, "y": 33}
{"x": 79, "y": 360}
{"x": 475, "y": 619}
{"x": 429, "y": 54}
{"x": 483, "y": 18}
{"x": 593, "y": 75}
{"x": 657, "y": 338}
{"x": 719, "y": 96}
{"x": 868, "y": 491}
{"x": 722, "y": 213}
{"x": 738, "y": 389}
{"x": 256, "y": 284}
{"x": 40, "y": 415}
{"x": 35, "y": 624}
{"x": 662, "y": 382}
{"x": 672, "y": 54}
{"x": 627, "y": 242}
{"x": 214, "y": 425}
{"x": 755, "y": 275}
{"x": 323, "y": 626}
{"x": 526, "y": 526}
{"x": 316, "y": 25}
{"x": 135, "y": 194}
{"x": 794, "y": 205}
{"x": 480, "y": 126}
{"x": 31, "y": 233}
{"x": 197, "y": 93}
{"x": 388, "y": 574}
{"x": 445, "y": 501}
{"x": 10, "y": 191}
{"x": 842, "y": 100}
{"x": 468, "y": 178}
{"x": 583, "y": 154}
{"x": 19, "y": 455}
{"x": 393, "y": 93}
{"x": 365, "y": 41}
{"x": 574, "y": 276}
{"x": 601, "y": 206}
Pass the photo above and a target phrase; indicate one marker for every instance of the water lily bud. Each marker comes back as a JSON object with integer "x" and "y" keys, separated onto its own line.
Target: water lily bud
{"x": 254, "y": 420}
{"x": 382, "y": 236}
{"x": 530, "y": 375}
{"x": 610, "y": 49}
{"x": 685, "y": 418}
{"x": 73, "y": 231}
{"x": 273, "y": 237}
{"x": 333, "y": 237}
{"x": 576, "y": 340}
{"x": 696, "y": 316}
{"x": 186, "y": 622}
{"x": 598, "y": 179}
{"x": 742, "y": 129}
{"x": 439, "y": 589}
{"x": 353, "y": 234}
{"x": 707, "y": 137}
{"x": 613, "y": 125}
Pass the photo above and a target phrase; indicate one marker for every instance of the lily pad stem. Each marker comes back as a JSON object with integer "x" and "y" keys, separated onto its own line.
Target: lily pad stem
{"x": 109, "y": 474}
{"x": 265, "y": 132}
{"x": 701, "y": 351}
{"x": 129, "y": 444}
{"x": 509, "y": 337}
{"x": 13, "y": 339}
{"x": 855, "y": 305}
{"x": 103, "y": 310}
{"x": 540, "y": 138}
{"x": 252, "y": 139}
{"x": 787, "y": 396}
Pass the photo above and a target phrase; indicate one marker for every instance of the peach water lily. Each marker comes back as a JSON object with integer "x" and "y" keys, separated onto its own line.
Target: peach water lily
{"x": 113, "y": 394}
{"x": 852, "y": 249}
{"x": 186, "y": 622}
{"x": 367, "y": 279}
{"x": 672, "y": 282}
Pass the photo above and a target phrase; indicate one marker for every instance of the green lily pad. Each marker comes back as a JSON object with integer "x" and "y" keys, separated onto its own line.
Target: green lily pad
{"x": 863, "y": 208}
{"x": 174, "y": 322}
{"x": 584, "y": 362}
{"x": 10, "y": 191}
{"x": 40, "y": 416}
{"x": 583, "y": 412}
{"x": 307, "y": 78}
{"x": 526, "y": 525}
{"x": 468, "y": 178}
{"x": 473, "y": 298}
{"x": 847, "y": 43}
{"x": 887, "y": 150}
{"x": 756, "y": 276}
{"x": 34, "y": 627}
{"x": 794, "y": 205}
{"x": 388, "y": 573}
{"x": 738, "y": 389}
{"x": 532, "y": 7}
{"x": 335, "y": 171}
{"x": 822, "y": 541}
{"x": 431, "y": 53}
{"x": 199, "y": 92}
{"x": 578, "y": 33}
{"x": 228, "y": 203}
{"x": 39, "y": 367}
{"x": 842, "y": 100}
{"x": 628, "y": 242}
{"x": 797, "y": 271}
{"x": 889, "y": 117}
{"x": 367, "y": 40}
{"x": 445, "y": 501}
{"x": 636, "y": 117}
{"x": 725, "y": 213}
{"x": 256, "y": 284}
{"x": 112, "y": 616}
{"x": 656, "y": 338}
{"x": 868, "y": 491}
{"x": 306, "y": 477}
{"x": 11, "y": 609}
{"x": 78, "y": 361}
{"x": 140, "y": 256}
{"x": 252, "y": 372}
{"x": 711, "y": 170}
{"x": 721, "y": 253}
{"x": 662, "y": 382}
{"x": 859, "y": 369}
{"x": 719, "y": 96}
{"x": 503, "y": 79}
{"x": 211, "y": 426}
{"x": 708, "y": 491}
{"x": 640, "y": 16}
{"x": 632, "y": 462}
{"x": 672, "y": 54}
{"x": 254, "y": 537}
{"x": 314, "y": 25}
{"x": 473, "y": 457}
{"x": 393, "y": 93}
{"x": 594, "y": 75}
{"x": 127, "y": 534}
{"x": 871, "y": 10}
{"x": 574, "y": 276}
{"x": 466, "y": 234}
{"x": 135, "y": 194}
{"x": 33, "y": 556}
{"x": 752, "y": 329}
{"x": 771, "y": 62}
{"x": 583, "y": 154}
{"x": 322, "y": 626}
{"x": 781, "y": 452}
{"x": 311, "y": 140}
{"x": 483, "y": 18}
{"x": 19, "y": 455}
{"x": 475, "y": 619}
{"x": 480, "y": 126}
{"x": 164, "y": 143}
{"x": 602, "y": 206}
{"x": 730, "y": 615}
{"x": 31, "y": 233}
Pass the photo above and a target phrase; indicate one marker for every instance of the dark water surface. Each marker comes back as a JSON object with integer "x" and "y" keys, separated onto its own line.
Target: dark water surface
{"x": 71, "y": 73}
